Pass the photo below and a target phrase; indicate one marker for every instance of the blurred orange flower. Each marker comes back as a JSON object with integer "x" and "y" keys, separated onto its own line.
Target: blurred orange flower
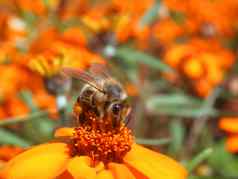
{"x": 51, "y": 62}
{"x": 132, "y": 89}
{"x": 8, "y": 152}
{"x": 127, "y": 21}
{"x": 74, "y": 36}
{"x": 53, "y": 50}
{"x": 166, "y": 31}
{"x": 10, "y": 104}
{"x": 15, "y": 107}
{"x": 37, "y": 6}
{"x": 203, "y": 62}
{"x": 230, "y": 125}
{"x": 216, "y": 18}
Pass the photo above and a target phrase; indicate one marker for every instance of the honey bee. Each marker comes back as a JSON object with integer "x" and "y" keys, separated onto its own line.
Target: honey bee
{"x": 101, "y": 96}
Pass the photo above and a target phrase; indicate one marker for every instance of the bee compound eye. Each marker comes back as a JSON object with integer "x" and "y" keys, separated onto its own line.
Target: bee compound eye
{"x": 116, "y": 108}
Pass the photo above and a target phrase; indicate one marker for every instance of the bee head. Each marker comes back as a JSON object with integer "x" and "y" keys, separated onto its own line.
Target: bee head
{"x": 115, "y": 91}
{"x": 118, "y": 110}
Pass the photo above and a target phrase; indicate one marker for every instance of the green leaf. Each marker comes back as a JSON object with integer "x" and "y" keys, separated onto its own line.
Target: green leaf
{"x": 30, "y": 18}
{"x": 46, "y": 3}
{"x": 178, "y": 105}
{"x": 7, "y": 137}
{"x": 20, "y": 119}
{"x": 187, "y": 112}
{"x": 172, "y": 99}
{"x": 204, "y": 177}
{"x": 134, "y": 56}
{"x": 177, "y": 133}
{"x": 191, "y": 165}
{"x": 71, "y": 103}
{"x": 151, "y": 15}
{"x": 152, "y": 142}
{"x": 26, "y": 96}
{"x": 178, "y": 17}
{"x": 224, "y": 162}
{"x": 39, "y": 130}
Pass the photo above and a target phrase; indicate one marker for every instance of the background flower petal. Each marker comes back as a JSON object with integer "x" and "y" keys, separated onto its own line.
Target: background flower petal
{"x": 232, "y": 143}
{"x": 229, "y": 124}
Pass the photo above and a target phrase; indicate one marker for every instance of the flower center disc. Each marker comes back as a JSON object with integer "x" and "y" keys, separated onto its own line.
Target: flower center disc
{"x": 102, "y": 145}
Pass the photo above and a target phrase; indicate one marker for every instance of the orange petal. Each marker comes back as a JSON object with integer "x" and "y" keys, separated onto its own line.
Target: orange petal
{"x": 99, "y": 167}
{"x": 64, "y": 132}
{"x": 229, "y": 124}
{"x": 105, "y": 174}
{"x": 232, "y": 144}
{"x": 120, "y": 171}
{"x": 193, "y": 68}
{"x": 40, "y": 162}
{"x": 154, "y": 165}
{"x": 137, "y": 173}
{"x": 65, "y": 175}
{"x": 79, "y": 167}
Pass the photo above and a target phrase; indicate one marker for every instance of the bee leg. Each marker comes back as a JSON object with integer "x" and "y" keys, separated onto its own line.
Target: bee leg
{"x": 80, "y": 119}
{"x": 127, "y": 115}
{"x": 115, "y": 121}
{"x": 100, "y": 112}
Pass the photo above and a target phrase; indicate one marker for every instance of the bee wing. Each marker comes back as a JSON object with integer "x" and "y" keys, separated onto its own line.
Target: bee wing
{"x": 83, "y": 76}
{"x": 99, "y": 70}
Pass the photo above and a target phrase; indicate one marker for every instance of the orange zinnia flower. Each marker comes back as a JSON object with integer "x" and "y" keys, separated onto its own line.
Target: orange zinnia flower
{"x": 16, "y": 107}
{"x": 28, "y": 5}
{"x": 92, "y": 154}
{"x": 11, "y": 105}
{"x": 53, "y": 50}
{"x": 203, "y": 62}
{"x": 166, "y": 31}
{"x": 52, "y": 61}
{"x": 230, "y": 125}
{"x": 215, "y": 16}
